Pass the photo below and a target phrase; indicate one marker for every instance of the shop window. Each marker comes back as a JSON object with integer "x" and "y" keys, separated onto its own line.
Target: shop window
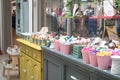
{"x": 56, "y": 16}
{"x": 25, "y": 0}
{"x": 53, "y": 12}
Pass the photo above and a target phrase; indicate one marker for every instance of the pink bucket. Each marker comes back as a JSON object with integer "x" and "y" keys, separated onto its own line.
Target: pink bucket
{"x": 61, "y": 46}
{"x": 93, "y": 59}
{"x": 65, "y": 49}
{"x": 103, "y": 62}
{"x": 85, "y": 56}
{"x": 57, "y": 45}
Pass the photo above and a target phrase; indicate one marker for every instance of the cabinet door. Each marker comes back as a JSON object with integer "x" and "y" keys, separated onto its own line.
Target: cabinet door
{"x": 23, "y": 70}
{"x": 37, "y": 71}
{"x": 100, "y": 77}
{"x": 53, "y": 70}
{"x": 29, "y": 68}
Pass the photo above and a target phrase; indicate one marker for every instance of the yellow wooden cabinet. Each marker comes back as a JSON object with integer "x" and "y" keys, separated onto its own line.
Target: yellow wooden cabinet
{"x": 31, "y": 61}
{"x": 36, "y": 71}
{"x": 22, "y": 67}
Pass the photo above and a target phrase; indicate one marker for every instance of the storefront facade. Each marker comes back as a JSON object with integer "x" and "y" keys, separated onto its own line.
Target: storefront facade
{"x": 46, "y": 27}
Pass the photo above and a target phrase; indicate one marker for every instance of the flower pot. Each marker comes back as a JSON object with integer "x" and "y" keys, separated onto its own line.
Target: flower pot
{"x": 57, "y": 45}
{"x": 85, "y": 56}
{"x": 103, "y": 62}
{"x": 64, "y": 49}
{"x": 93, "y": 59}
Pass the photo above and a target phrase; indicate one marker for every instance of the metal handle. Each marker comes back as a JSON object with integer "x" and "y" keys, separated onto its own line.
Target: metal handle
{"x": 26, "y": 51}
{"x": 24, "y": 70}
{"x": 32, "y": 77}
{"x": 27, "y": 59}
{"x": 74, "y": 78}
{"x": 35, "y": 64}
{"x": 35, "y": 55}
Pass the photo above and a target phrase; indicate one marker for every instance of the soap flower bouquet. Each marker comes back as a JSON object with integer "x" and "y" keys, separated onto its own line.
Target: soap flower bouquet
{"x": 83, "y": 41}
{"x": 116, "y": 52}
{"x": 85, "y": 54}
{"x": 68, "y": 7}
{"x": 103, "y": 53}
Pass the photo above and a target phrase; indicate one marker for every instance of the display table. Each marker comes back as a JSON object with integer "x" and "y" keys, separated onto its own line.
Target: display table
{"x": 58, "y": 66}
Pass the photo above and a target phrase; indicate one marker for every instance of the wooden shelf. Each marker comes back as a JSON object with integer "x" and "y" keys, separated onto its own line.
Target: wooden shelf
{"x": 68, "y": 16}
{"x": 105, "y": 17}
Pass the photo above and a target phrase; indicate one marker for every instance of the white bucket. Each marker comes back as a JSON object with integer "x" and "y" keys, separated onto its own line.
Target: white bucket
{"x": 115, "y": 68}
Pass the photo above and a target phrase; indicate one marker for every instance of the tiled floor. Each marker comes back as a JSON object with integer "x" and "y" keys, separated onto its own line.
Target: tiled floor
{"x": 13, "y": 74}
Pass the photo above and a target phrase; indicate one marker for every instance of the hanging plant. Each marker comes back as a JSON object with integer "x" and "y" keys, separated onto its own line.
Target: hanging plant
{"x": 69, "y": 3}
{"x": 68, "y": 7}
{"x": 117, "y": 5}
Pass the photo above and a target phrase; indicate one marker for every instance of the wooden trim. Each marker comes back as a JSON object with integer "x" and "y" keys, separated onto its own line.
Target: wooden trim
{"x": 6, "y": 25}
{"x": 11, "y": 21}
{"x": 3, "y": 25}
{"x": 32, "y": 15}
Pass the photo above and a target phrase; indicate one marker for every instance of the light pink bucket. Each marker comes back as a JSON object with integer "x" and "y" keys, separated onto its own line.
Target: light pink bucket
{"x": 57, "y": 45}
{"x": 85, "y": 56}
{"x": 103, "y": 62}
{"x": 61, "y": 47}
{"x": 93, "y": 59}
{"x": 65, "y": 49}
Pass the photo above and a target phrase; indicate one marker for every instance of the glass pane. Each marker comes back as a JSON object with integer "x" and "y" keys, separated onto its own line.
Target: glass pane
{"x": 59, "y": 11}
{"x": 53, "y": 14}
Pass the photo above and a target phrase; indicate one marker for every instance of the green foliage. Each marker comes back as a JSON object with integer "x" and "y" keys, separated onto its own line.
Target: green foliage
{"x": 69, "y": 3}
{"x": 117, "y": 5}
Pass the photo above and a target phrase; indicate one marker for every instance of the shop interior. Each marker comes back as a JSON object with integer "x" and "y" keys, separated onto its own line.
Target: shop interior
{"x": 60, "y": 40}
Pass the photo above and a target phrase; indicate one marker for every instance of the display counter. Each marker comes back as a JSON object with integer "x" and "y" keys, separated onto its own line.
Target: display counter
{"x": 58, "y": 66}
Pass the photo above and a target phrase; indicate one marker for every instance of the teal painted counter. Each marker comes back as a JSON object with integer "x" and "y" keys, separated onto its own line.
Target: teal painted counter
{"x": 58, "y": 66}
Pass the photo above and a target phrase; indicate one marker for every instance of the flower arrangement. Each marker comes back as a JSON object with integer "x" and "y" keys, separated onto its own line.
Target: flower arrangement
{"x": 103, "y": 53}
{"x": 68, "y": 7}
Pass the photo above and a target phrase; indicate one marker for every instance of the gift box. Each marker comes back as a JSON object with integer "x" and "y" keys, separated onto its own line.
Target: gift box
{"x": 77, "y": 51}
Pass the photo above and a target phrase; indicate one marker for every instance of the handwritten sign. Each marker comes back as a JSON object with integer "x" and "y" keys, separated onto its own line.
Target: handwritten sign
{"x": 110, "y": 22}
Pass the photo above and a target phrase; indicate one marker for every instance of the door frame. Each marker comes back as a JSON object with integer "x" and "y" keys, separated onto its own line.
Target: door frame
{"x": 6, "y": 24}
